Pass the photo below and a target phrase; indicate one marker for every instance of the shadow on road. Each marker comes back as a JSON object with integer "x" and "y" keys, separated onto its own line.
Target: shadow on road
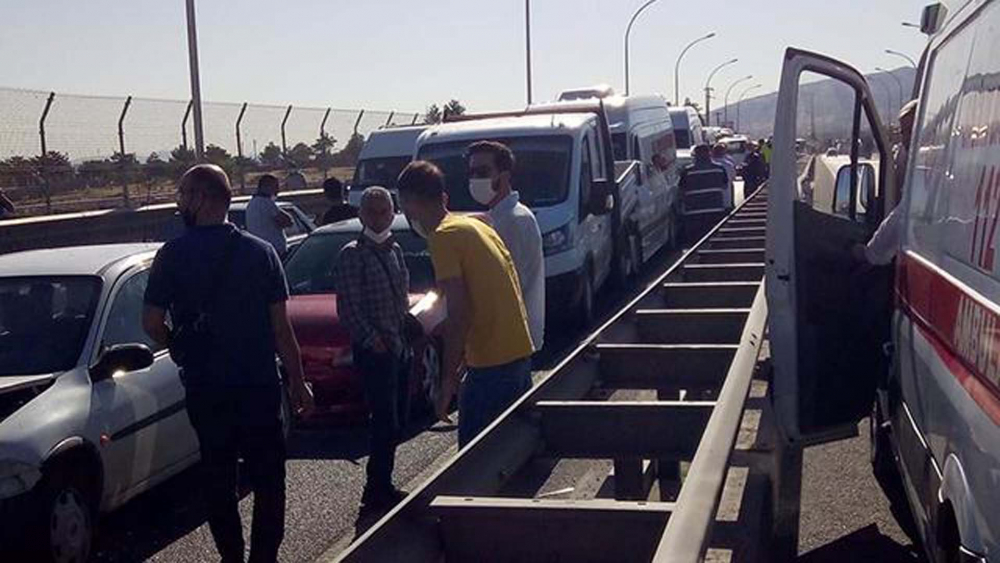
{"x": 868, "y": 540}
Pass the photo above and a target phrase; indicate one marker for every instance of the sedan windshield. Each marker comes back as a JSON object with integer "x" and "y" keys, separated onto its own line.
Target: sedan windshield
{"x": 541, "y": 170}
{"x": 310, "y": 269}
{"x": 44, "y": 322}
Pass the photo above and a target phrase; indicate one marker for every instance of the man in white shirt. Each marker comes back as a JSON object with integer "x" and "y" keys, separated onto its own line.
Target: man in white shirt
{"x": 263, "y": 217}
{"x": 491, "y": 165}
{"x": 884, "y": 244}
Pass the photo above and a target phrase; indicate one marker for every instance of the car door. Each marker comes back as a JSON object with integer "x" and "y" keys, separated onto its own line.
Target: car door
{"x": 829, "y": 313}
{"x": 143, "y": 424}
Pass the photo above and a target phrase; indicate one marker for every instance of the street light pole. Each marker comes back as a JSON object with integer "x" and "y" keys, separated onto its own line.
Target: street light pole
{"x": 628, "y": 30}
{"x": 527, "y": 45}
{"x": 739, "y": 103}
{"x": 677, "y": 66}
{"x": 908, "y": 58}
{"x": 199, "y": 138}
{"x": 708, "y": 90}
{"x": 729, "y": 90}
{"x": 899, "y": 83}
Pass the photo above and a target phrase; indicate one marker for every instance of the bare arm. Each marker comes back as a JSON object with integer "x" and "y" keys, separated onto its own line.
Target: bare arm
{"x": 455, "y": 331}
{"x": 154, "y": 322}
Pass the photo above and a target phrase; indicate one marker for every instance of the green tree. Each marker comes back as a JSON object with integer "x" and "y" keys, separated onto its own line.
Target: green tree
{"x": 180, "y": 160}
{"x": 433, "y": 115}
{"x": 156, "y": 168}
{"x": 300, "y": 155}
{"x": 271, "y": 157}
{"x": 454, "y": 107}
{"x": 16, "y": 171}
{"x": 219, "y": 156}
{"x": 95, "y": 173}
{"x": 322, "y": 151}
{"x": 348, "y": 156}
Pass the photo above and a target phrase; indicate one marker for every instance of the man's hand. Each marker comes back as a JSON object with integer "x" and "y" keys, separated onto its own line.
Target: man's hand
{"x": 302, "y": 398}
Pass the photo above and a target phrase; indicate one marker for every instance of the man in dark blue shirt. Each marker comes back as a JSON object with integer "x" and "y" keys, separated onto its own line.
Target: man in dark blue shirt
{"x": 225, "y": 291}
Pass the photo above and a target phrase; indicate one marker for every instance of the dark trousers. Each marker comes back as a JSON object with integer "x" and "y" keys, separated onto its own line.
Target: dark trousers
{"x": 387, "y": 393}
{"x": 487, "y": 392}
{"x": 234, "y": 424}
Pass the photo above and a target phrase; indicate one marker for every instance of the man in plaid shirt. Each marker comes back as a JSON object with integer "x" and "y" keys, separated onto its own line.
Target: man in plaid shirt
{"x": 372, "y": 287}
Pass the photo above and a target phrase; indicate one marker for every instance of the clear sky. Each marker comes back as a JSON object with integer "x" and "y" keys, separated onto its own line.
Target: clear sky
{"x": 406, "y": 54}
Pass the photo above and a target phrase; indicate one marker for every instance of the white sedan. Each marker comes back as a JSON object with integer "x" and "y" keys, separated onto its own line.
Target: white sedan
{"x": 91, "y": 410}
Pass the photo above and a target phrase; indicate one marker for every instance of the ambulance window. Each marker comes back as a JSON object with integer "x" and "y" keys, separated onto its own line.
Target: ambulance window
{"x": 843, "y": 131}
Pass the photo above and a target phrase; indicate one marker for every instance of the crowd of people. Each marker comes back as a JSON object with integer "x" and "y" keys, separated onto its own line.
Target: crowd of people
{"x": 216, "y": 298}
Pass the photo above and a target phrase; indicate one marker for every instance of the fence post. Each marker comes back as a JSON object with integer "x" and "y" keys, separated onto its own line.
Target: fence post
{"x": 184, "y": 133}
{"x": 416, "y": 116}
{"x": 388, "y": 120}
{"x": 322, "y": 136}
{"x": 121, "y": 149}
{"x": 239, "y": 149}
{"x": 357, "y": 121}
{"x": 284, "y": 145}
{"x": 45, "y": 152}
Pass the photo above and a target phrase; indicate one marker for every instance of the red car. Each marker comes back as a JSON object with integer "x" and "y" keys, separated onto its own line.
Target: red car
{"x": 326, "y": 345}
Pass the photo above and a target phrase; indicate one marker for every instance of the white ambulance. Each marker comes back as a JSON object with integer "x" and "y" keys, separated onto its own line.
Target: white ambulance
{"x": 935, "y": 382}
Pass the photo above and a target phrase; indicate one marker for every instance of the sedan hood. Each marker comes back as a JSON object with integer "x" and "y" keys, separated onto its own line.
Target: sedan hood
{"x": 16, "y": 391}
{"x": 10, "y": 384}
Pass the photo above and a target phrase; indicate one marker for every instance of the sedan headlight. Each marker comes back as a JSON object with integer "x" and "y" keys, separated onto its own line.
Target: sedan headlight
{"x": 17, "y": 477}
{"x": 559, "y": 240}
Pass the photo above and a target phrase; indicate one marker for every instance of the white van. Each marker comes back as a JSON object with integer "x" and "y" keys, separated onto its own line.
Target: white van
{"x": 935, "y": 426}
{"x": 641, "y": 130}
{"x": 687, "y": 133}
{"x": 385, "y": 154}
{"x": 560, "y": 159}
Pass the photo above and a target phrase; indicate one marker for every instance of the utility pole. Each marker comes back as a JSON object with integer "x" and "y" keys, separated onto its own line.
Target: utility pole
{"x": 527, "y": 45}
{"x": 199, "y": 134}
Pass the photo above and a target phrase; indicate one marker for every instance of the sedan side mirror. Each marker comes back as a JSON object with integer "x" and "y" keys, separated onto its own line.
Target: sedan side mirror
{"x": 121, "y": 358}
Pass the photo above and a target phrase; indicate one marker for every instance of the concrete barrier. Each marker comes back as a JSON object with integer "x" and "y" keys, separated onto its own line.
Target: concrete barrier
{"x": 150, "y": 223}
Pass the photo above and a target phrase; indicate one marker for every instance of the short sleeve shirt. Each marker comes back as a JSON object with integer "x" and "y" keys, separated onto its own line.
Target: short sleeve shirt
{"x": 188, "y": 268}
{"x": 260, "y": 217}
{"x": 466, "y": 248}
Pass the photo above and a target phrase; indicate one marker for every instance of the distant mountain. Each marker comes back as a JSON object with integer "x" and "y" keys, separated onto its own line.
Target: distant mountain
{"x": 825, "y": 106}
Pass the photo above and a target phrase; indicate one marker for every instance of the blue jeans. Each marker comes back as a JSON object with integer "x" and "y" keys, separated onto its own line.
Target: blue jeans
{"x": 487, "y": 392}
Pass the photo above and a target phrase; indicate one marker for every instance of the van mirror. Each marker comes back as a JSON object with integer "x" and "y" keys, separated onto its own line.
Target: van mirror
{"x": 932, "y": 18}
{"x": 602, "y": 199}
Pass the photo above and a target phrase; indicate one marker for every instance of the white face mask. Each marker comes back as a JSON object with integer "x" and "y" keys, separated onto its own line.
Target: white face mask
{"x": 378, "y": 237}
{"x": 482, "y": 190}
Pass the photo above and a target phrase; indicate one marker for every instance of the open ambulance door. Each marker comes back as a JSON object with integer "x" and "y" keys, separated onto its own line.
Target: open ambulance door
{"x": 829, "y": 313}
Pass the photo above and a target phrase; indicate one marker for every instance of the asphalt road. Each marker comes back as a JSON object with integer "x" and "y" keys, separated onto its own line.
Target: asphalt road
{"x": 844, "y": 516}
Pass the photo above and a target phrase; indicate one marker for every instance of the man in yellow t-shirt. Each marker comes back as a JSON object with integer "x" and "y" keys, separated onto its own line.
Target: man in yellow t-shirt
{"x": 487, "y": 328}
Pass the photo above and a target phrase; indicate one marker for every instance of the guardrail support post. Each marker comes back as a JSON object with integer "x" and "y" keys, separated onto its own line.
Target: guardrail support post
{"x": 389, "y": 119}
{"x": 121, "y": 149}
{"x": 41, "y": 134}
{"x": 786, "y": 495}
{"x": 416, "y": 116}
{"x": 239, "y": 148}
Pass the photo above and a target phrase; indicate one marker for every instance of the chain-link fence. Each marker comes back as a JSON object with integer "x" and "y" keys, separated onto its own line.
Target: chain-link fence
{"x": 62, "y": 152}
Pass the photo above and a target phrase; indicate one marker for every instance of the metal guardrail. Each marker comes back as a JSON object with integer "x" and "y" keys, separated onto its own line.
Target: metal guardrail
{"x": 693, "y": 335}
